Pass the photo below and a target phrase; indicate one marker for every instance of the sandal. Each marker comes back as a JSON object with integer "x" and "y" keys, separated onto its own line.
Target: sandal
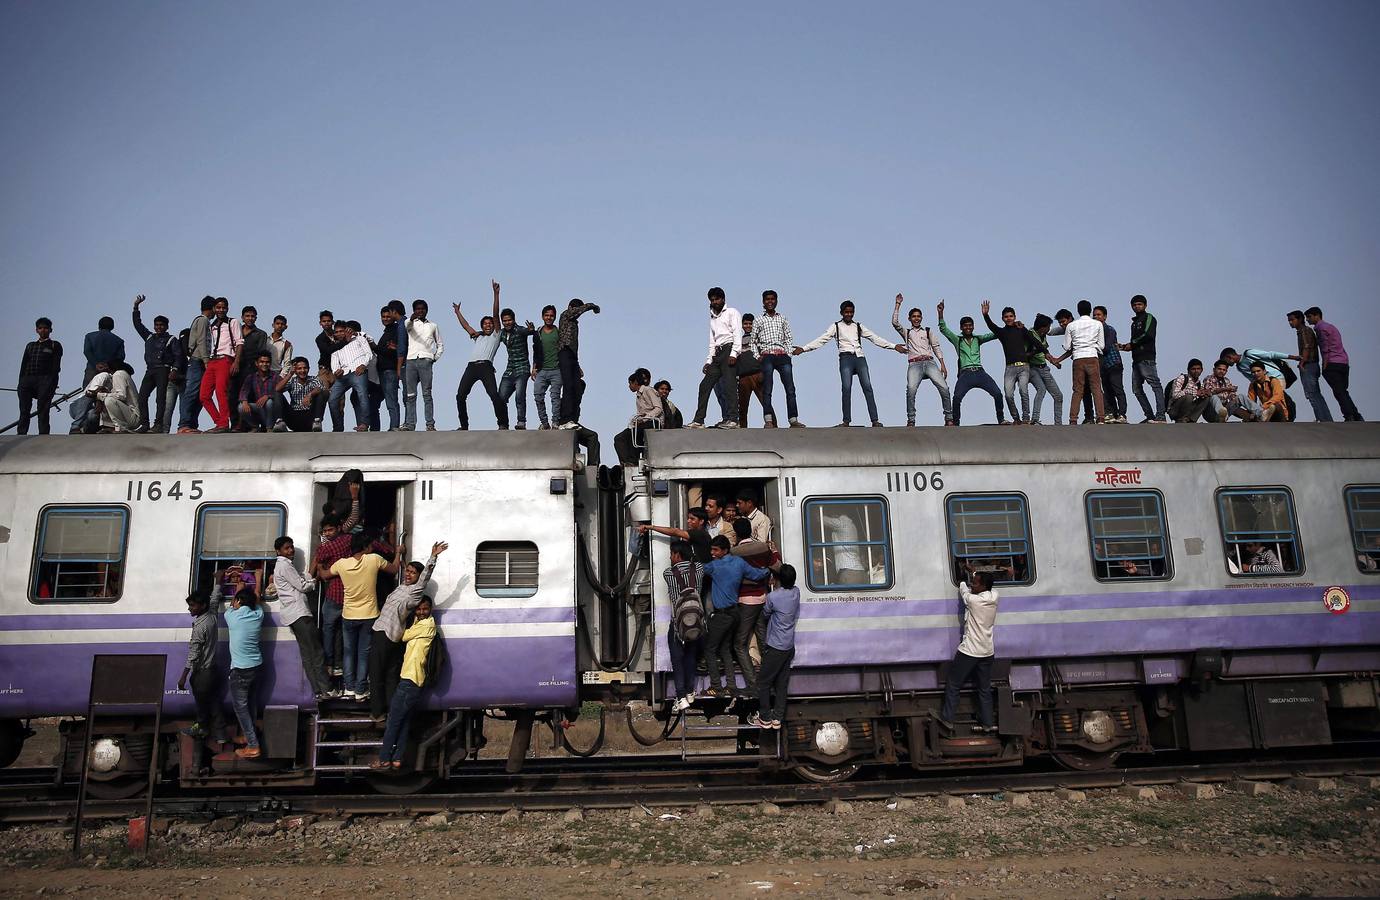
{"x": 379, "y": 764}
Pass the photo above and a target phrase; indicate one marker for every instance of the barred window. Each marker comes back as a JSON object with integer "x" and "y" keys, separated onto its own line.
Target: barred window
{"x": 1260, "y": 534}
{"x": 505, "y": 569}
{"x": 1128, "y": 535}
{"x": 80, "y": 553}
{"x": 1363, "y": 513}
{"x": 848, "y": 543}
{"x": 990, "y": 533}
{"x": 239, "y": 535}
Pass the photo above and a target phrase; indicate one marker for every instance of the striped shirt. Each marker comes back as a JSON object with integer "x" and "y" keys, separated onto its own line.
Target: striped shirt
{"x": 515, "y": 339}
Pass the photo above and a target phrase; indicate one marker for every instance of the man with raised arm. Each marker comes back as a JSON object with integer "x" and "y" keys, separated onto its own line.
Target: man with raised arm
{"x": 850, "y": 336}
{"x": 926, "y": 361}
{"x": 1015, "y": 345}
{"x": 568, "y": 358}
{"x": 971, "y": 374}
{"x": 481, "y": 365}
{"x": 162, "y": 360}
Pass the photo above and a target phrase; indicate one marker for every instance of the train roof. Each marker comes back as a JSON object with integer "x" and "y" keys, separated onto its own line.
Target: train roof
{"x": 292, "y": 452}
{"x": 998, "y": 444}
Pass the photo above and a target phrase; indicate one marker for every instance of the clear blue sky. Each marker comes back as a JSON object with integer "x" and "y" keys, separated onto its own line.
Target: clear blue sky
{"x": 1219, "y": 158}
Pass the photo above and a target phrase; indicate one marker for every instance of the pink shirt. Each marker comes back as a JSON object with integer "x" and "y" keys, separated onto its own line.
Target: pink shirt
{"x": 225, "y": 338}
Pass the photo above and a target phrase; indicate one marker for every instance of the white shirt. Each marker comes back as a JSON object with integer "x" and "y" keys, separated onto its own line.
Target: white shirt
{"x": 1085, "y": 337}
{"x": 424, "y": 340}
{"x": 352, "y": 355}
{"x": 280, "y": 350}
{"x": 842, "y": 530}
{"x": 117, "y": 387}
{"x": 921, "y": 343}
{"x": 979, "y": 615}
{"x": 761, "y": 526}
{"x": 292, "y": 589}
{"x": 725, "y": 327}
{"x": 850, "y": 338}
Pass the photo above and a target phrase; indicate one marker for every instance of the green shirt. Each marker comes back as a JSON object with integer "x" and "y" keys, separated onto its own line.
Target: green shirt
{"x": 549, "y": 341}
{"x": 969, "y": 348}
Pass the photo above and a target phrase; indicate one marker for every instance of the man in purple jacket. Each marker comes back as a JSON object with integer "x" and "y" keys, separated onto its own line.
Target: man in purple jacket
{"x": 1336, "y": 366}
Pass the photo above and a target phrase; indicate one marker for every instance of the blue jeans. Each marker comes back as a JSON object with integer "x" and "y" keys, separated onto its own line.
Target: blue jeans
{"x": 417, "y": 372}
{"x": 1143, "y": 373}
{"x": 1017, "y": 378}
{"x": 771, "y": 364}
{"x": 1310, "y": 374}
{"x": 547, "y": 379}
{"x": 1044, "y": 382}
{"x": 975, "y": 378}
{"x": 331, "y": 617}
{"x": 388, "y": 383}
{"x": 358, "y": 636}
{"x": 349, "y": 381}
{"x": 191, "y": 394}
{"x": 253, "y": 414}
{"x": 405, "y": 700}
{"x": 685, "y": 658}
{"x": 242, "y": 700}
{"x": 917, "y": 372}
{"x": 849, "y": 366}
{"x": 511, "y": 384}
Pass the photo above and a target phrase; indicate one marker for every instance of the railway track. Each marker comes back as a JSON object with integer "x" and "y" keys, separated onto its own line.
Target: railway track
{"x": 620, "y": 787}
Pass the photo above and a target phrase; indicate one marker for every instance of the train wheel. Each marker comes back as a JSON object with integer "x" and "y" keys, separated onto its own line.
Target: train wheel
{"x": 1085, "y": 760}
{"x": 400, "y": 785}
{"x": 121, "y": 788}
{"x": 818, "y": 773}
{"x": 12, "y": 735}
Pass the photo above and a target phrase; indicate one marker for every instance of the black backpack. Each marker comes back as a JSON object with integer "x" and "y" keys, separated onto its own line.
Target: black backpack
{"x": 687, "y": 609}
{"x": 435, "y": 657}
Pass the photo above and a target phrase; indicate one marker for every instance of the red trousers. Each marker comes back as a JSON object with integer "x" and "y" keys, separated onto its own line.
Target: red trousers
{"x": 217, "y": 381}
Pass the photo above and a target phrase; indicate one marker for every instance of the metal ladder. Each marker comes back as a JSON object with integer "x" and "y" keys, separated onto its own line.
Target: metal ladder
{"x": 712, "y": 732}
{"x": 324, "y": 724}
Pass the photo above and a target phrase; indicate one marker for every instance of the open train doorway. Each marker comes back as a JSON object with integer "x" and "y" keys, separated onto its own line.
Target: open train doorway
{"x": 385, "y": 513}
{"x": 719, "y": 497}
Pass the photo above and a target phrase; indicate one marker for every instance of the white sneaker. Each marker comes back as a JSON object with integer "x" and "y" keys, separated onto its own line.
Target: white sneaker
{"x": 695, "y": 425}
{"x": 569, "y": 426}
{"x": 727, "y": 424}
{"x": 349, "y": 695}
{"x": 681, "y": 705}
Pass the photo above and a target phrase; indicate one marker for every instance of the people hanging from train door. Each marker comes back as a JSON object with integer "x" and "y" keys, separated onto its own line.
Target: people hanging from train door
{"x": 302, "y": 398}
{"x": 973, "y": 658}
{"x": 245, "y": 622}
{"x": 779, "y": 615}
{"x": 926, "y": 361}
{"x": 685, "y": 586}
{"x": 206, "y": 683}
{"x": 424, "y": 349}
{"x": 717, "y": 525}
{"x": 518, "y": 371}
{"x": 198, "y": 356}
{"x": 39, "y": 370}
{"x": 421, "y": 663}
{"x": 358, "y": 574}
{"x": 749, "y": 507}
{"x": 335, "y": 545}
{"x": 480, "y": 369}
{"x": 751, "y": 596}
{"x": 772, "y": 342}
{"x": 971, "y": 374}
{"x": 162, "y": 359}
{"x": 849, "y": 336}
{"x": 346, "y": 502}
{"x": 294, "y": 611}
{"x": 725, "y": 345}
{"x": 696, "y": 533}
{"x": 629, "y": 442}
{"x": 568, "y": 358}
{"x": 727, "y": 573}
{"x": 386, "y": 647}
{"x": 350, "y": 370}
{"x": 749, "y": 371}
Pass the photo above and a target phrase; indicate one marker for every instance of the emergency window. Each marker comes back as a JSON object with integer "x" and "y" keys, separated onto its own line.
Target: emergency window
{"x": 1363, "y": 512}
{"x": 1128, "y": 535}
{"x": 1259, "y": 532}
{"x": 848, "y": 542}
{"x": 80, "y": 553}
{"x": 990, "y": 533}
{"x": 237, "y": 541}
{"x": 505, "y": 569}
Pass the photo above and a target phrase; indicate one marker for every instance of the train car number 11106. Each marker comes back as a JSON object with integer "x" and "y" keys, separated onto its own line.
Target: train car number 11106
{"x": 163, "y": 490}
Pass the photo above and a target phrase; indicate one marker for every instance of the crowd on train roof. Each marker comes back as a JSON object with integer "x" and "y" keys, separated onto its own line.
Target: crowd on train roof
{"x": 244, "y": 378}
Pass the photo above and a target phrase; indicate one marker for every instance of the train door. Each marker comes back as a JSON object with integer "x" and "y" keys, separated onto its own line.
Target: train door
{"x": 386, "y": 513}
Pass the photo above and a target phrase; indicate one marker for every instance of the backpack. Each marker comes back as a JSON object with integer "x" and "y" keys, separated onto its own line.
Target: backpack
{"x": 435, "y": 657}
{"x": 687, "y": 609}
{"x": 1288, "y": 372}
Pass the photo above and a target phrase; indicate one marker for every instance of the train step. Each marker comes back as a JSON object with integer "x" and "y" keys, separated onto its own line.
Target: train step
{"x": 338, "y": 744}
{"x": 338, "y": 723}
{"x": 360, "y": 767}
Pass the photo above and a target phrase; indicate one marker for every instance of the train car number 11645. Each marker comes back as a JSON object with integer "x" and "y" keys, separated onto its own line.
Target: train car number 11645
{"x": 163, "y": 490}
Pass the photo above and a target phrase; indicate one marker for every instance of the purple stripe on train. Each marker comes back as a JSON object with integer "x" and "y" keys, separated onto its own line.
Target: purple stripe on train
{"x": 76, "y": 619}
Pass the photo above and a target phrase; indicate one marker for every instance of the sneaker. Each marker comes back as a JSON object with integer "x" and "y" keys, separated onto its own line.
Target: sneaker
{"x": 406, "y": 427}
{"x": 727, "y": 424}
{"x": 248, "y": 753}
{"x": 521, "y": 426}
{"x": 362, "y": 696}
{"x": 695, "y": 425}
{"x": 187, "y": 430}
{"x": 769, "y": 424}
{"x": 503, "y": 428}
{"x": 280, "y": 426}
{"x": 680, "y": 705}
{"x": 349, "y": 695}
{"x": 337, "y": 672}
{"x": 316, "y": 425}
{"x": 194, "y": 731}
{"x": 844, "y": 425}
{"x": 431, "y": 428}
{"x": 756, "y": 721}
{"x": 690, "y": 699}
{"x": 544, "y": 427}
{"x": 571, "y": 426}
{"x": 876, "y": 424}
{"x": 910, "y": 424}
{"x": 796, "y": 423}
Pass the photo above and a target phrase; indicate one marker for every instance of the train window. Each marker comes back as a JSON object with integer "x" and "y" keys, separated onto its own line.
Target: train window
{"x": 990, "y": 533}
{"x": 1260, "y": 534}
{"x": 1363, "y": 512}
{"x": 505, "y": 569}
{"x": 1126, "y": 530}
{"x": 237, "y": 534}
{"x": 80, "y": 553}
{"x": 848, "y": 542}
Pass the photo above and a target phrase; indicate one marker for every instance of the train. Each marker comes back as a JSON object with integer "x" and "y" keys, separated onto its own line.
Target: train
{"x": 1188, "y": 587}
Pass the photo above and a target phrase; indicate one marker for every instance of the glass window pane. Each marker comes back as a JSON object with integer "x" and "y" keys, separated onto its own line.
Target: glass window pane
{"x": 1363, "y": 509}
{"x": 240, "y": 532}
{"x": 990, "y": 534}
{"x": 1259, "y": 533}
{"x": 80, "y": 554}
{"x": 848, "y": 543}
{"x": 1128, "y": 536}
{"x": 92, "y": 535}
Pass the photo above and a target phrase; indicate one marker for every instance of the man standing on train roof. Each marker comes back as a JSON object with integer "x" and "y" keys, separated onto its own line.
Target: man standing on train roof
{"x": 973, "y": 658}
{"x": 1272, "y": 360}
{"x": 1113, "y": 374}
{"x": 39, "y": 369}
{"x": 280, "y": 346}
{"x": 392, "y": 352}
{"x": 294, "y": 611}
{"x": 424, "y": 349}
{"x": 518, "y": 372}
{"x": 1144, "y": 371}
{"x": 568, "y": 357}
{"x": 1336, "y": 365}
{"x": 480, "y": 369}
{"x": 1040, "y": 375}
{"x": 849, "y": 336}
{"x": 254, "y": 341}
{"x": 1084, "y": 341}
{"x": 1014, "y": 340}
{"x": 546, "y": 368}
{"x": 926, "y": 361}
{"x": 349, "y": 367}
{"x": 162, "y": 359}
{"x": 971, "y": 374}
{"x": 225, "y": 345}
{"x": 749, "y": 369}
{"x": 725, "y": 343}
{"x": 1310, "y": 373}
{"x": 198, "y": 355}
{"x": 772, "y": 342}
{"x": 1064, "y": 318}
{"x": 102, "y": 346}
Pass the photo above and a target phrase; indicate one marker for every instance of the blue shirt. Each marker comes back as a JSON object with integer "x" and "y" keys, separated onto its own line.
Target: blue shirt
{"x": 485, "y": 346}
{"x": 728, "y": 574}
{"x": 1111, "y": 356}
{"x": 782, "y": 609}
{"x": 1269, "y": 358}
{"x": 245, "y": 625}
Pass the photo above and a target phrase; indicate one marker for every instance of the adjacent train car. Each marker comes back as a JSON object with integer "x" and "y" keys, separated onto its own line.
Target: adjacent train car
{"x": 1199, "y": 587}
{"x": 103, "y": 537}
